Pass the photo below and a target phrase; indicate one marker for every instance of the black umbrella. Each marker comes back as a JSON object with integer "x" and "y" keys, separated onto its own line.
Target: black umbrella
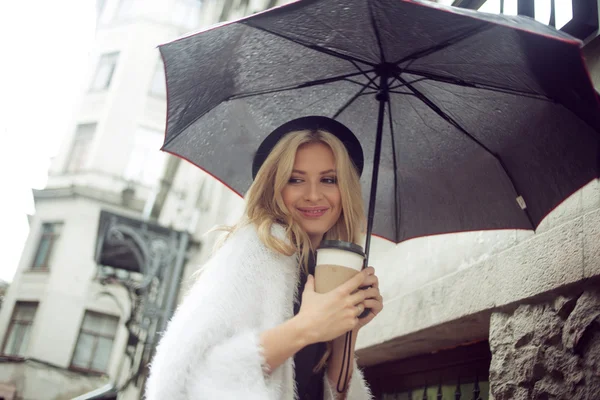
{"x": 472, "y": 121}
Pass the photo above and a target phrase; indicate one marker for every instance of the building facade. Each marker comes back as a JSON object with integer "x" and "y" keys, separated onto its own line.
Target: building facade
{"x": 63, "y": 319}
{"x": 468, "y": 313}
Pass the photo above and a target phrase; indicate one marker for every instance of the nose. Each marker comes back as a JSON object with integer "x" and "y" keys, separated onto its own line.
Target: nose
{"x": 313, "y": 192}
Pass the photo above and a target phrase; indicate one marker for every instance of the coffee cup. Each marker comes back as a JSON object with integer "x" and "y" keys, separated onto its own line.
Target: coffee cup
{"x": 337, "y": 262}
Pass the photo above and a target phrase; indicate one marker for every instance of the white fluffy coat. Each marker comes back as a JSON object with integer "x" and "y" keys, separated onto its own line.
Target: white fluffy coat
{"x": 211, "y": 349}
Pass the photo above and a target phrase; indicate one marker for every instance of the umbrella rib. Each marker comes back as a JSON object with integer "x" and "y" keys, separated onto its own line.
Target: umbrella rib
{"x": 441, "y": 46}
{"x": 391, "y": 91}
{"x": 376, "y": 31}
{"x": 371, "y": 80}
{"x": 402, "y": 85}
{"x": 361, "y": 84}
{"x": 350, "y": 101}
{"x": 396, "y": 92}
{"x": 483, "y": 86}
{"x": 312, "y": 47}
{"x": 298, "y": 86}
{"x": 397, "y": 203}
{"x": 454, "y": 123}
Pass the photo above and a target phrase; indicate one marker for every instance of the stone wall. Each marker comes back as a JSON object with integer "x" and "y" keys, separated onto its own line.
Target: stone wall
{"x": 547, "y": 351}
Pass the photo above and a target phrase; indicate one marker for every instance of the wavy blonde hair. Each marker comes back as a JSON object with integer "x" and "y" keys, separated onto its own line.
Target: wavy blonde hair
{"x": 264, "y": 200}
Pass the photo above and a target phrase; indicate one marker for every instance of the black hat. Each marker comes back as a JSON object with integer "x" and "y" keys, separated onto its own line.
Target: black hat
{"x": 326, "y": 124}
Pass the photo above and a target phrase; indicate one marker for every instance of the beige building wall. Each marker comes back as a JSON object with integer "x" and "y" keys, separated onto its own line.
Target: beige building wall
{"x": 69, "y": 287}
{"x": 63, "y": 294}
{"x": 194, "y": 202}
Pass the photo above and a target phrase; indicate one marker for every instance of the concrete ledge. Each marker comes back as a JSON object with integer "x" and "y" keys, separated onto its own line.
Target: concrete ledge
{"x": 455, "y": 308}
{"x": 591, "y": 245}
{"x": 592, "y": 57}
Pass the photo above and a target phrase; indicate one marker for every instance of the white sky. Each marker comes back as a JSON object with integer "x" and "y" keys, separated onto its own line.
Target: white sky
{"x": 44, "y": 63}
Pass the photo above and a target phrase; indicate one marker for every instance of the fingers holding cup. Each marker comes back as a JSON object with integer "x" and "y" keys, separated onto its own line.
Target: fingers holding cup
{"x": 359, "y": 309}
{"x": 371, "y": 280}
{"x": 375, "y": 305}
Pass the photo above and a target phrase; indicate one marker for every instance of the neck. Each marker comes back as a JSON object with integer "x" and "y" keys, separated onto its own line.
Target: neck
{"x": 315, "y": 240}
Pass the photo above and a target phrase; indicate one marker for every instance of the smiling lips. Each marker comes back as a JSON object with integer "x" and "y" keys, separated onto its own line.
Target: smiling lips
{"x": 312, "y": 212}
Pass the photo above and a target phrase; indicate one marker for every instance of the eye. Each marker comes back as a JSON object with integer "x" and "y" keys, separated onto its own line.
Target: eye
{"x": 331, "y": 180}
{"x": 293, "y": 180}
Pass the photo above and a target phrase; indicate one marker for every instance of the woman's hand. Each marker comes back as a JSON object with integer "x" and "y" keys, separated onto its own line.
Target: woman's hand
{"x": 322, "y": 318}
{"x": 373, "y": 300}
{"x": 329, "y": 315}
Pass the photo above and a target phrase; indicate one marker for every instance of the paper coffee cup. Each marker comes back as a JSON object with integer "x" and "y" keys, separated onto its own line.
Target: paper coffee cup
{"x": 337, "y": 262}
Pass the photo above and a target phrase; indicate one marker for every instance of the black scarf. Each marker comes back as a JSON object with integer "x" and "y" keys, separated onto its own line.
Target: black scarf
{"x": 309, "y": 384}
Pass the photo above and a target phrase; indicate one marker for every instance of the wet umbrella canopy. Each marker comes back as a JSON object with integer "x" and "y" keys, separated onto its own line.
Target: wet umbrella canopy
{"x": 484, "y": 121}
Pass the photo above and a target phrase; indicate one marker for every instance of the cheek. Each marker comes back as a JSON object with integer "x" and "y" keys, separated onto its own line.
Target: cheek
{"x": 287, "y": 194}
{"x": 335, "y": 199}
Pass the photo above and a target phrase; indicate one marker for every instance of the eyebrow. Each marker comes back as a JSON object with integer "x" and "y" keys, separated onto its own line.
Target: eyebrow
{"x": 299, "y": 172}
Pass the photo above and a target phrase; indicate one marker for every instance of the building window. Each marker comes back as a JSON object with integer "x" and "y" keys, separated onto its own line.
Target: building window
{"x": 95, "y": 342}
{"x": 146, "y": 163}
{"x": 100, "y": 5}
{"x": 186, "y": 13}
{"x": 50, "y": 235}
{"x": 104, "y": 71}
{"x": 542, "y": 10}
{"x": 19, "y": 330}
{"x": 125, "y": 9}
{"x": 158, "y": 86}
{"x": 82, "y": 141}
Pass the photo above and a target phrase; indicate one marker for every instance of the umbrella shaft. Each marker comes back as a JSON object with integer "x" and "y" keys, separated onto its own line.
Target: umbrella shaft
{"x": 382, "y": 97}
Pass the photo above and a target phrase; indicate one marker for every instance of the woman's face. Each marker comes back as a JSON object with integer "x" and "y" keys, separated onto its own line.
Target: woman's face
{"x": 312, "y": 194}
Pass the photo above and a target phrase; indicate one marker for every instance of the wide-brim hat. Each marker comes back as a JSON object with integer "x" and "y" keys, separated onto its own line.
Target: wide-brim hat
{"x": 312, "y": 123}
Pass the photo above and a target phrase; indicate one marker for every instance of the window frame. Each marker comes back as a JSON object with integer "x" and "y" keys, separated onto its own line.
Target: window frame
{"x": 159, "y": 70}
{"x": 11, "y": 325}
{"x": 111, "y": 56}
{"x": 100, "y": 8}
{"x": 148, "y": 155}
{"x": 80, "y": 136}
{"x": 528, "y": 8}
{"x": 186, "y": 13}
{"x": 124, "y": 9}
{"x": 96, "y": 335}
{"x": 54, "y": 237}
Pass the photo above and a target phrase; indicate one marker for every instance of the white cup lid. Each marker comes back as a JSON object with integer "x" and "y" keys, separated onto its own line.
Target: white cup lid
{"x": 341, "y": 245}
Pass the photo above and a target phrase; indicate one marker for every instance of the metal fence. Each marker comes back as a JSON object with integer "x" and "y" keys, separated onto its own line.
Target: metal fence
{"x": 460, "y": 373}
{"x": 475, "y": 390}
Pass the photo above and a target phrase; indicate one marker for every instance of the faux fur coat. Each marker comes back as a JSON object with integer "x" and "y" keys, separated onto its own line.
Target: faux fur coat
{"x": 211, "y": 349}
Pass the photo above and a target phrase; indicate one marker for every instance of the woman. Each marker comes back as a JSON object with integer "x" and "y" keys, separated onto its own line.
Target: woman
{"x": 252, "y": 326}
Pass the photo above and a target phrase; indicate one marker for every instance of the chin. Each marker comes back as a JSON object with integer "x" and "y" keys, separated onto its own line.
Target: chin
{"x": 315, "y": 227}
{"x": 313, "y": 230}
